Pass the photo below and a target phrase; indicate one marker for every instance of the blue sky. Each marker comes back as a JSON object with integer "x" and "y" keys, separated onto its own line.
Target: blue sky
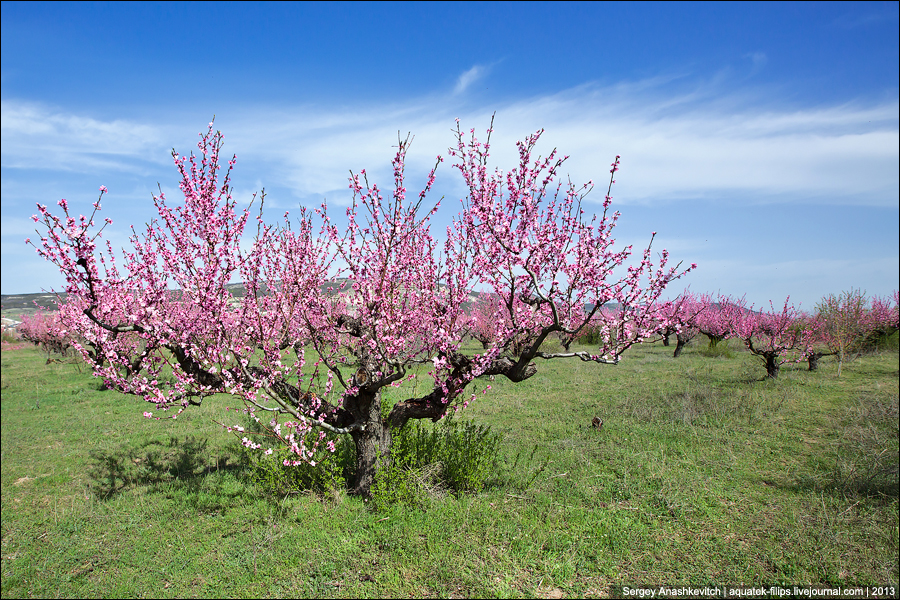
{"x": 759, "y": 140}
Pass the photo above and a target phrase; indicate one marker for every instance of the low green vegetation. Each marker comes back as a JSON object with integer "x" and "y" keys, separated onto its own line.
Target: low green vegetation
{"x": 702, "y": 472}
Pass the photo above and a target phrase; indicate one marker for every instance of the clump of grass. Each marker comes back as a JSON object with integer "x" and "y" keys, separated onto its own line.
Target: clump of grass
{"x": 719, "y": 350}
{"x": 868, "y": 453}
{"x": 326, "y": 478}
{"x": 427, "y": 461}
{"x": 699, "y": 397}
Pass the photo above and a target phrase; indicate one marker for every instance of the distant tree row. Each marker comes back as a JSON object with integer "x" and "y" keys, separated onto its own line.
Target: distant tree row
{"x": 841, "y": 325}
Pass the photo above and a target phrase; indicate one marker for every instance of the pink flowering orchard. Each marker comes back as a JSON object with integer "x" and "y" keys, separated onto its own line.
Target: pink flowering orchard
{"x": 337, "y": 310}
{"x": 847, "y": 323}
{"x": 551, "y": 268}
{"x": 43, "y": 329}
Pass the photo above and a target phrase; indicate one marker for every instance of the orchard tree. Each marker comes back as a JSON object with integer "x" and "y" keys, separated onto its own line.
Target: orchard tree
{"x": 483, "y": 318}
{"x": 774, "y": 336}
{"x": 716, "y": 319}
{"x": 843, "y": 323}
{"x": 679, "y": 318}
{"x": 90, "y": 339}
{"x": 335, "y": 313}
{"x": 818, "y": 344}
{"x": 43, "y": 328}
{"x": 532, "y": 246}
{"x": 882, "y": 319}
{"x": 846, "y": 323}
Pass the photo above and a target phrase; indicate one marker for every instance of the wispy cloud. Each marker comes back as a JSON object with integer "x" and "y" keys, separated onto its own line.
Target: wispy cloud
{"x": 674, "y": 145}
{"x": 672, "y": 148}
{"x": 758, "y": 59}
{"x": 868, "y": 18}
{"x": 469, "y": 77}
{"x": 41, "y": 137}
{"x": 679, "y": 142}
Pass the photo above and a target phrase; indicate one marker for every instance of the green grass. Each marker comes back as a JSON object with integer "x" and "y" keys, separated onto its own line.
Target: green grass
{"x": 703, "y": 472}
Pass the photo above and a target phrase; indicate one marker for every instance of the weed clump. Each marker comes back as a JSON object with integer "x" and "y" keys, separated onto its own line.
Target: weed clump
{"x": 719, "y": 350}
{"x": 426, "y": 462}
{"x": 277, "y": 475}
{"x": 429, "y": 461}
{"x": 868, "y": 454}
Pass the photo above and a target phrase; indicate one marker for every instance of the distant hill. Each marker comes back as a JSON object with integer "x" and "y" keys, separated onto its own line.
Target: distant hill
{"x": 26, "y": 304}
{"x": 14, "y": 305}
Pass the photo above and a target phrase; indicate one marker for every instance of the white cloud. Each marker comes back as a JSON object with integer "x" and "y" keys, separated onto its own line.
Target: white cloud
{"x": 36, "y": 136}
{"x": 674, "y": 145}
{"x": 468, "y": 78}
{"x": 678, "y": 143}
{"x": 806, "y": 281}
{"x": 759, "y": 60}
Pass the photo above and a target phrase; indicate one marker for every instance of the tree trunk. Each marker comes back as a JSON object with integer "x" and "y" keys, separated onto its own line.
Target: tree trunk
{"x": 679, "y": 346}
{"x": 666, "y": 341}
{"x": 813, "y": 360}
{"x": 771, "y": 365}
{"x": 373, "y": 444}
{"x": 714, "y": 340}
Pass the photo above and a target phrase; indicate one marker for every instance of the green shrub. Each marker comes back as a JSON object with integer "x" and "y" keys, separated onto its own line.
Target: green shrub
{"x": 274, "y": 478}
{"x": 882, "y": 342}
{"x": 591, "y": 335}
{"x": 428, "y": 460}
{"x": 718, "y": 350}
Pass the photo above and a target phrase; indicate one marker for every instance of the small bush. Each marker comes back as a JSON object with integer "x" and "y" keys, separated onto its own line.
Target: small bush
{"x": 882, "y": 342}
{"x": 720, "y": 350}
{"x": 427, "y": 461}
{"x": 407, "y": 485}
{"x": 273, "y": 477}
{"x": 591, "y": 335}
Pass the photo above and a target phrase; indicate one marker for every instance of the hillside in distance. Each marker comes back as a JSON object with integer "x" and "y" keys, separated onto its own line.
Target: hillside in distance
{"x": 14, "y": 305}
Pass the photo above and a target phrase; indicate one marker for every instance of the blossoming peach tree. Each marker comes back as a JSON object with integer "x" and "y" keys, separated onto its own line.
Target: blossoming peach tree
{"x": 333, "y": 314}
{"x": 776, "y": 337}
{"x": 679, "y": 317}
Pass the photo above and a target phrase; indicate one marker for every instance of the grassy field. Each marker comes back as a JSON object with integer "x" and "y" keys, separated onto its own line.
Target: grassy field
{"x": 702, "y": 473}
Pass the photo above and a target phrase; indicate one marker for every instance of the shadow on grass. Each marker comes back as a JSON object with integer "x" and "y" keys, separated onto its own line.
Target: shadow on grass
{"x": 881, "y": 486}
{"x": 155, "y": 462}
